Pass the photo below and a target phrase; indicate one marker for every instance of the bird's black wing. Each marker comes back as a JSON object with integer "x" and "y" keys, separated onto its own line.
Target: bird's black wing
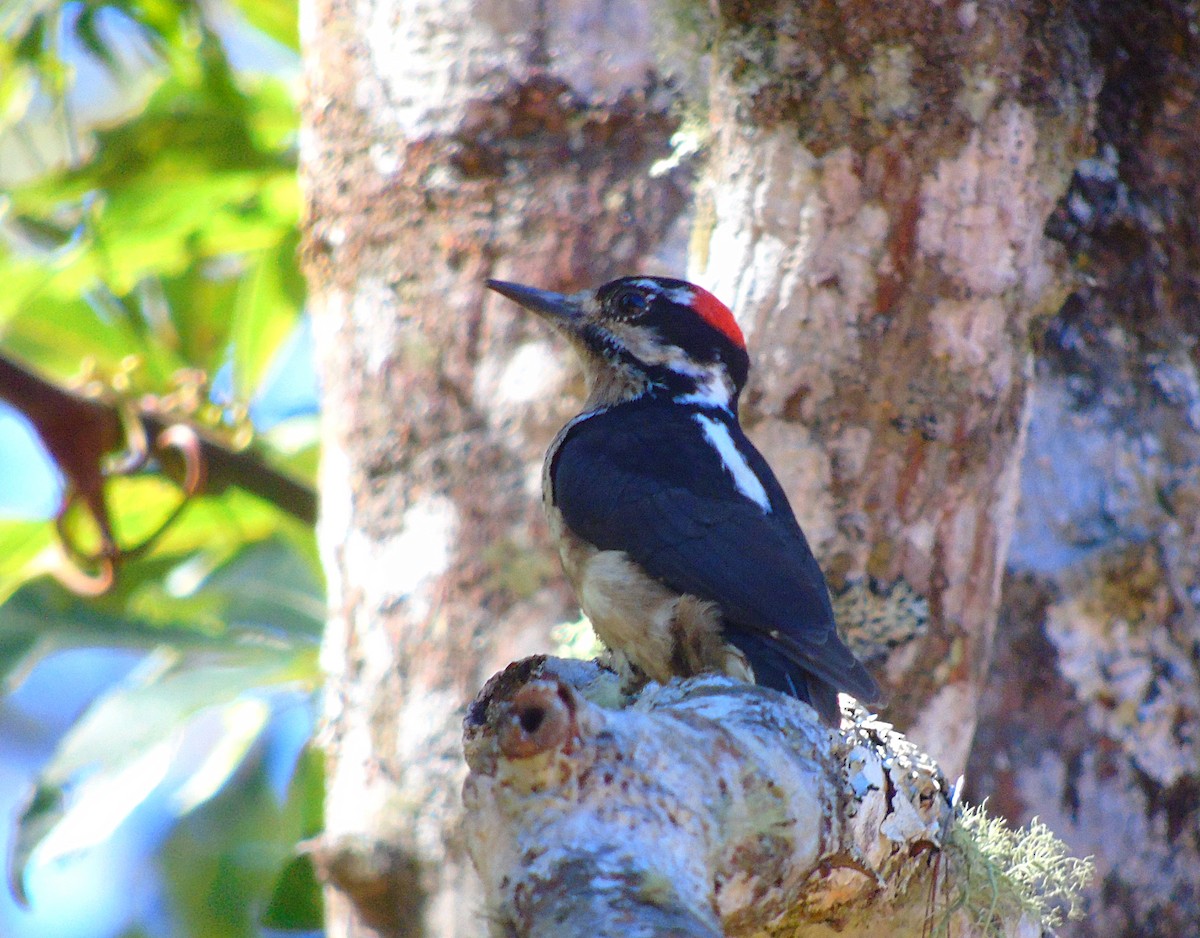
{"x": 655, "y": 489}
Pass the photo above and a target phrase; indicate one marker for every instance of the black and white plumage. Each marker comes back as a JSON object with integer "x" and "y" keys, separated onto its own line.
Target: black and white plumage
{"x": 677, "y": 537}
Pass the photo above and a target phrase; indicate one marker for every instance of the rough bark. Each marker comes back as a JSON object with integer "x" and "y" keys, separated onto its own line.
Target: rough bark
{"x": 880, "y": 177}
{"x": 444, "y": 143}
{"x": 879, "y": 182}
{"x": 703, "y": 808}
{"x": 1092, "y": 721}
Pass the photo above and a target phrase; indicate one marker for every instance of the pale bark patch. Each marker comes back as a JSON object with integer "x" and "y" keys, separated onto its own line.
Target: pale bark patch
{"x": 411, "y": 90}
{"x": 796, "y": 252}
{"x": 383, "y": 343}
{"x": 891, "y": 68}
{"x": 510, "y": 381}
{"x": 982, "y": 211}
{"x": 946, "y": 727}
{"x": 804, "y": 472}
{"x": 972, "y": 337}
{"x": 401, "y": 566}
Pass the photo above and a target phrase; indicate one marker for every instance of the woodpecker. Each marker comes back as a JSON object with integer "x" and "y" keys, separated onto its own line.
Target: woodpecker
{"x": 673, "y": 531}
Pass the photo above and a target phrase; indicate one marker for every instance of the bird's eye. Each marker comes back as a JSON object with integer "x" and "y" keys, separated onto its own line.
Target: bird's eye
{"x": 630, "y": 303}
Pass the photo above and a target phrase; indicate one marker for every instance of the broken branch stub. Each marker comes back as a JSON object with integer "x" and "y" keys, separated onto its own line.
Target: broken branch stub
{"x": 703, "y": 807}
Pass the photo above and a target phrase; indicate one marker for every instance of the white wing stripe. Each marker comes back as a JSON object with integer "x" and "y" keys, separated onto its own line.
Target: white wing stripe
{"x": 735, "y": 463}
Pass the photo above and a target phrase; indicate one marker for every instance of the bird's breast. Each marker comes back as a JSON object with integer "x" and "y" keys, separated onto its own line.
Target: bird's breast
{"x": 661, "y": 632}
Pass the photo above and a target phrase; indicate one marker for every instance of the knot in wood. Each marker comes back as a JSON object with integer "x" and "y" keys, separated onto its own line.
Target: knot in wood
{"x": 539, "y": 718}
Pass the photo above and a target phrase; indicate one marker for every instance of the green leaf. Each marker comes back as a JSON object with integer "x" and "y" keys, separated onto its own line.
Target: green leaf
{"x": 268, "y": 305}
{"x": 210, "y": 603}
{"x": 293, "y": 446}
{"x": 202, "y": 574}
{"x": 17, "y": 653}
{"x": 276, "y": 18}
{"x": 174, "y": 241}
{"x": 237, "y": 846}
{"x": 58, "y": 823}
{"x": 154, "y": 702}
{"x": 204, "y": 175}
{"x": 295, "y": 902}
{"x": 129, "y": 739}
{"x": 21, "y": 543}
{"x": 214, "y": 523}
{"x": 241, "y": 722}
{"x": 60, "y": 619}
{"x": 88, "y": 33}
{"x": 262, "y": 589}
{"x": 55, "y": 332}
{"x": 25, "y": 20}
{"x": 39, "y": 813}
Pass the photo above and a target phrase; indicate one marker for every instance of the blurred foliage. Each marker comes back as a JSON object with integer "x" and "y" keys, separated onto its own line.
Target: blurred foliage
{"x": 158, "y": 238}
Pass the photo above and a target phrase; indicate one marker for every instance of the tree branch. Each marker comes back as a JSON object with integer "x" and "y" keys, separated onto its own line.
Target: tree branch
{"x": 707, "y": 807}
{"x": 80, "y": 431}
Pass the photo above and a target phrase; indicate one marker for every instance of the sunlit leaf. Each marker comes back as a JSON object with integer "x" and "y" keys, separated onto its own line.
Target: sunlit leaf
{"x": 173, "y": 240}
{"x": 57, "y": 333}
{"x": 91, "y": 814}
{"x": 168, "y": 19}
{"x": 20, "y": 542}
{"x": 268, "y": 305}
{"x": 275, "y": 18}
{"x": 242, "y": 720}
{"x": 44, "y": 612}
{"x": 41, "y": 811}
{"x": 292, "y": 446}
{"x": 125, "y": 744}
{"x": 265, "y": 589}
{"x": 138, "y": 506}
{"x": 226, "y": 600}
{"x": 186, "y": 188}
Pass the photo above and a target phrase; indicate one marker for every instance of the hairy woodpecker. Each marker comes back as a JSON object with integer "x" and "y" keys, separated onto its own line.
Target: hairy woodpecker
{"x": 674, "y": 532}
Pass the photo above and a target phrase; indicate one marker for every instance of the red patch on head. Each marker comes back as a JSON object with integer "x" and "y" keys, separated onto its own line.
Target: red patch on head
{"x": 717, "y": 315}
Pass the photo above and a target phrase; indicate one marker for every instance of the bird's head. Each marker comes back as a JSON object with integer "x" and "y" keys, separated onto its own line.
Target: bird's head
{"x": 640, "y": 335}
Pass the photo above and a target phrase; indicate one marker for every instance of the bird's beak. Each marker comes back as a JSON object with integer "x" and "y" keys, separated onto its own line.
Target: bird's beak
{"x": 557, "y": 308}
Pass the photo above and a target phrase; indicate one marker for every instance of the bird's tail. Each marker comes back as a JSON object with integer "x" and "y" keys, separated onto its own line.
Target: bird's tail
{"x": 778, "y": 667}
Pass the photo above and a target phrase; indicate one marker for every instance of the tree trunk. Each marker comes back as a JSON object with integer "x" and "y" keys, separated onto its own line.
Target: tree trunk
{"x": 1092, "y": 719}
{"x": 879, "y": 180}
{"x": 444, "y": 143}
{"x": 874, "y": 211}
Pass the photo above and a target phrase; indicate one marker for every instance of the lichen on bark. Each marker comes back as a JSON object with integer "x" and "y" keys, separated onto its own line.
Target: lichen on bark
{"x": 874, "y": 211}
{"x": 709, "y": 807}
{"x": 524, "y": 153}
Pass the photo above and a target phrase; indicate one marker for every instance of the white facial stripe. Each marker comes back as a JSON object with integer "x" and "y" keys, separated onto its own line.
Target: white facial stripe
{"x": 712, "y": 389}
{"x": 735, "y": 463}
{"x": 681, "y": 295}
